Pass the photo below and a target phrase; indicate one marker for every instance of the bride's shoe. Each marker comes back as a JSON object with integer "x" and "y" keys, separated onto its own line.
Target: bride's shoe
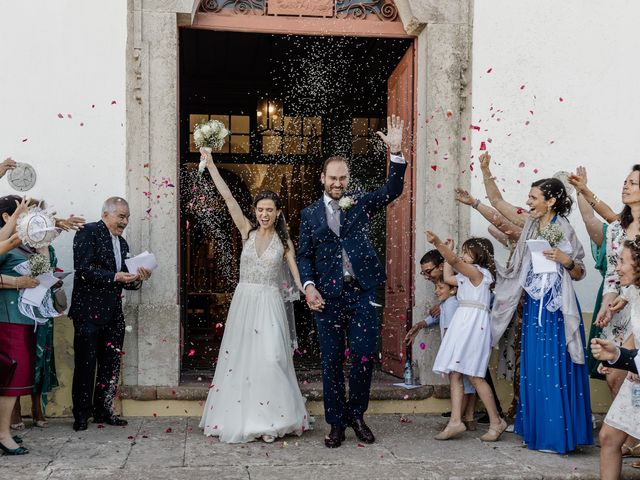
{"x": 494, "y": 433}
{"x": 450, "y": 432}
{"x": 268, "y": 438}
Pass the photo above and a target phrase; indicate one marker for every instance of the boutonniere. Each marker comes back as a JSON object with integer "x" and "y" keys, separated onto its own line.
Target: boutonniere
{"x": 345, "y": 203}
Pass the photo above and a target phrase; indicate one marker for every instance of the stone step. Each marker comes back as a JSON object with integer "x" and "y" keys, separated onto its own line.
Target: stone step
{"x": 197, "y": 388}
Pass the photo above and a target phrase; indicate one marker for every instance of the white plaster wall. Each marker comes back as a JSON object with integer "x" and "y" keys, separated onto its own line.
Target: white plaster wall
{"x": 65, "y": 57}
{"x": 583, "y": 51}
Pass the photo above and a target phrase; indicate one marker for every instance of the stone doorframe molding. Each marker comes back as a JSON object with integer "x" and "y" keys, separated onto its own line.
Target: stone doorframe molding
{"x": 444, "y": 32}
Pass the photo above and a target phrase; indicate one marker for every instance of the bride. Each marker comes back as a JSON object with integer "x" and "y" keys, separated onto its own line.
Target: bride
{"x": 254, "y": 392}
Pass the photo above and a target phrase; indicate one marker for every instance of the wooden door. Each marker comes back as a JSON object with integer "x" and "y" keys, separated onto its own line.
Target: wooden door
{"x": 400, "y": 225}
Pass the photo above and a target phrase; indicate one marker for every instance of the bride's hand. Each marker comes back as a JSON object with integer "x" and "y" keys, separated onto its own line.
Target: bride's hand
{"x": 206, "y": 155}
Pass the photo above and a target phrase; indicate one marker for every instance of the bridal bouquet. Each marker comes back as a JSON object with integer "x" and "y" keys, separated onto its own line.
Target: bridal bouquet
{"x": 209, "y": 135}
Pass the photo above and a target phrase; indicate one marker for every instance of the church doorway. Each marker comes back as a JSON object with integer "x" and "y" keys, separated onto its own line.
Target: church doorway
{"x": 290, "y": 101}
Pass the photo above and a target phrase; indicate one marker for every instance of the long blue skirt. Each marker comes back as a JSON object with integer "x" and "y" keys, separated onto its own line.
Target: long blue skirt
{"x": 554, "y": 408}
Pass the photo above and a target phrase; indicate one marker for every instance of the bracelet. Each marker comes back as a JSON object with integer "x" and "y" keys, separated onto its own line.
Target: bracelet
{"x": 476, "y": 203}
{"x": 571, "y": 266}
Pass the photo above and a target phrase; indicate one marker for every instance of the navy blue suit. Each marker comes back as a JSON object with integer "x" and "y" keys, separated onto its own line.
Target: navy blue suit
{"x": 348, "y": 306}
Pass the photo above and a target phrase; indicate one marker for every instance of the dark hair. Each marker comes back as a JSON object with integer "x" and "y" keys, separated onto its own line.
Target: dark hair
{"x": 280, "y": 225}
{"x": 433, "y": 256}
{"x": 634, "y": 248}
{"x": 481, "y": 249}
{"x": 554, "y": 188}
{"x": 334, "y": 158}
{"x": 8, "y": 205}
{"x": 626, "y": 217}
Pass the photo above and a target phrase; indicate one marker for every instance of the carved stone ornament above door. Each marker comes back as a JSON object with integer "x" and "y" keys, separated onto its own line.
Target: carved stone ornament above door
{"x": 307, "y": 8}
{"x": 376, "y": 10}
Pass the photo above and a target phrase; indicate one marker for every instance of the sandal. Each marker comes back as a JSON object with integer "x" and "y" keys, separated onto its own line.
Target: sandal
{"x": 40, "y": 423}
{"x": 470, "y": 424}
{"x": 494, "y": 433}
{"x": 268, "y": 438}
{"x": 628, "y": 451}
{"x": 450, "y": 432}
{"x": 635, "y": 464}
{"x": 17, "y": 426}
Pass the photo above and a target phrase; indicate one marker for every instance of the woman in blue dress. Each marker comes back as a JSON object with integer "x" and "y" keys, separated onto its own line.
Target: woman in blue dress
{"x": 554, "y": 412}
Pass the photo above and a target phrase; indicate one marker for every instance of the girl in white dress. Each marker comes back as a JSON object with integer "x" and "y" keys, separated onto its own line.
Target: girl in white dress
{"x": 466, "y": 348}
{"x": 254, "y": 392}
{"x": 623, "y": 418}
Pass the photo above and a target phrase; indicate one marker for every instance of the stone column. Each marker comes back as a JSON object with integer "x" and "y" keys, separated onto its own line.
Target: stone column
{"x": 152, "y": 348}
{"x": 444, "y": 30}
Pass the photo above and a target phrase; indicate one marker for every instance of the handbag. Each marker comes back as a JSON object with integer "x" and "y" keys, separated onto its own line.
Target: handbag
{"x": 7, "y": 369}
{"x": 60, "y": 302}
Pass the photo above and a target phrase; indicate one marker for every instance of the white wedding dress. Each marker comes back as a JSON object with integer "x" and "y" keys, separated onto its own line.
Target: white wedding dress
{"x": 254, "y": 391}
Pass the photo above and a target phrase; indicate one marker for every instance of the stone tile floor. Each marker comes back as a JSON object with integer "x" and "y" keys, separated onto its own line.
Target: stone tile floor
{"x": 174, "y": 448}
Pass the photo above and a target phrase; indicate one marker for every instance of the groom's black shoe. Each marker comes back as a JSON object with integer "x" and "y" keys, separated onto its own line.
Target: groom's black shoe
{"x": 335, "y": 438}
{"x": 80, "y": 424}
{"x": 110, "y": 420}
{"x": 363, "y": 432}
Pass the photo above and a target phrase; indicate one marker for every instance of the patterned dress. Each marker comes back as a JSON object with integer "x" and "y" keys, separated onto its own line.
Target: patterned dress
{"x": 622, "y": 414}
{"x": 619, "y": 328}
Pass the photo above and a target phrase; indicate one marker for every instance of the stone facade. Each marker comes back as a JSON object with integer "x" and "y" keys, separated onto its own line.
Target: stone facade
{"x": 443, "y": 32}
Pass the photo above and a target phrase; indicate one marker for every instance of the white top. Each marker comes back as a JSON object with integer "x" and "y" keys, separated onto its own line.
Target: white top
{"x": 447, "y": 310}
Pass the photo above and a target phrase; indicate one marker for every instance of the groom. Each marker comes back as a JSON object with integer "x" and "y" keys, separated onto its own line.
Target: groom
{"x": 340, "y": 272}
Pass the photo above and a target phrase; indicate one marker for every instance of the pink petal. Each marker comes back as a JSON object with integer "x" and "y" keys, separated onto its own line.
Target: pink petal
{"x": 521, "y": 165}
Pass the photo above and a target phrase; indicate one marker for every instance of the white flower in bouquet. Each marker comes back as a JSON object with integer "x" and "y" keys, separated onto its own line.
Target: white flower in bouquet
{"x": 209, "y": 135}
{"x": 553, "y": 234}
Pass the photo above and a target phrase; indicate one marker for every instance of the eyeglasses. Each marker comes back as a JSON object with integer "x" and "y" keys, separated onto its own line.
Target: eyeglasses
{"x": 427, "y": 272}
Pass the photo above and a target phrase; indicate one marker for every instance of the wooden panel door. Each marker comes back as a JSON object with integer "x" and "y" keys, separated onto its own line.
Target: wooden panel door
{"x": 400, "y": 225}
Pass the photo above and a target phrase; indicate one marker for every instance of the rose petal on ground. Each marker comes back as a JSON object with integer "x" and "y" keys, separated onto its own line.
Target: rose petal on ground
{"x": 521, "y": 165}
{"x": 423, "y": 345}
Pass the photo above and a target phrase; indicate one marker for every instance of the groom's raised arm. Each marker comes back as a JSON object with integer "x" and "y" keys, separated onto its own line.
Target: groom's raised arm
{"x": 306, "y": 256}
{"x": 393, "y": 186}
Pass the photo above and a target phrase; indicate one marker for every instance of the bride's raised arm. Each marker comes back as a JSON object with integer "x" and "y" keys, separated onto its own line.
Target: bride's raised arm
{"x": 242, "y": 222}
{"x": 516, "y": 215}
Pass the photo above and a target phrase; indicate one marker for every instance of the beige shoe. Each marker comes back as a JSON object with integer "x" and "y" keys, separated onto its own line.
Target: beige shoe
{"x": 268, "y": 438}
{"x": 494, "y": 433}
{"x": 450, "y": 432}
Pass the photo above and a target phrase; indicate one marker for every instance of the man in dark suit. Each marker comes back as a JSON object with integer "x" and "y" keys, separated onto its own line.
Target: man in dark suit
{"x": 616, "y": 357}
{"x": 340, "y": 271}
{"x": 99, "y": 253}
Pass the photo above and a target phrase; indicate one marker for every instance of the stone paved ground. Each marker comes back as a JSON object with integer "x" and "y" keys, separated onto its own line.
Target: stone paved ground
{"x": 174, "y": 448}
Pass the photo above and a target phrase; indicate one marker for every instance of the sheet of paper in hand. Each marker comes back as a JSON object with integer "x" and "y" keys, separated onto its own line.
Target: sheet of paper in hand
{"x": 144, "y": 260}
{"x": 541, "y": 264}
{"x": 34, "y": 296}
